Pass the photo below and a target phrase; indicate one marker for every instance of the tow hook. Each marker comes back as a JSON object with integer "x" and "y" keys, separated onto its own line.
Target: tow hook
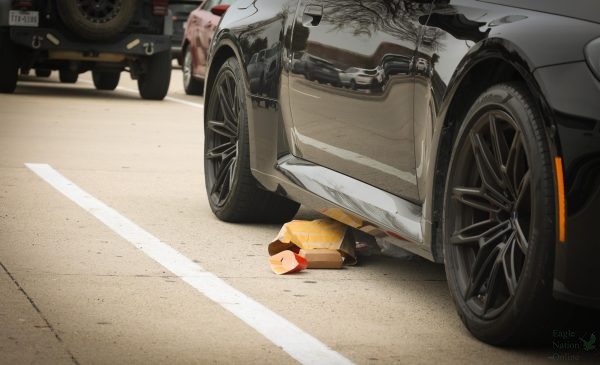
{"x": 36, "y": 41}
{"x": 149, "y": 48}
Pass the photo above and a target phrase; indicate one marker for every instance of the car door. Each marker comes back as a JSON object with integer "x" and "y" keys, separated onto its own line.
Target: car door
{"x": 350, "y": 99}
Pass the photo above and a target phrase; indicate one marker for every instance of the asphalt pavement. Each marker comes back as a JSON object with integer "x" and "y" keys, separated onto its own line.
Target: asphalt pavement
{"x": 109, "y": 254}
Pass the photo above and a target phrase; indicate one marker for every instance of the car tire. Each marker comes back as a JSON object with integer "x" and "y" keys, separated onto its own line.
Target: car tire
{"x": 191, "y": 85}
{"x": 96, "y": 20}
{"x": 499, "y": 219}
{"x": 43, "y": 72}
{"x": 9, "y": 64}
{"x": 106, "y": 80}
{"x": 67, "y": 76}
{"x": 153, "y": 84}
{"x": 233, "y": 193}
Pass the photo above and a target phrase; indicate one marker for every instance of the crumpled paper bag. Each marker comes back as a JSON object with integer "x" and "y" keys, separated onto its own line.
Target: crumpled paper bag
{"x": 317, "y": 234}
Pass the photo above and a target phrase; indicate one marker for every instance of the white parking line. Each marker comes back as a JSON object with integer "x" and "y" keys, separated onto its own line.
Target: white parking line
{"x": 298, "y": 344}
{"x": 307, "y": 94}
{"x": 180, "y": 101}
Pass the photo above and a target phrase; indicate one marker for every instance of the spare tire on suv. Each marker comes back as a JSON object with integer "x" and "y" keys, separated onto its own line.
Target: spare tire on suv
{"x": 97, "y": 19}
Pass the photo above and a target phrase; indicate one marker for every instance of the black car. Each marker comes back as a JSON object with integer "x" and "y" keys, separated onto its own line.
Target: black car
{"x": 482, "y": 152}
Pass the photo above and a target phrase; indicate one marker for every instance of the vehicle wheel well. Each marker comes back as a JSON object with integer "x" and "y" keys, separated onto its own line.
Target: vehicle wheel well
{"x": 478, "y": 79}
{"x": 222, "y": 55}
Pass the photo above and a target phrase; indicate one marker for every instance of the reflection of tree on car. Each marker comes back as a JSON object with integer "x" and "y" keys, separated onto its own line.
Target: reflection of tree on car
{"x": 381, "y": 16}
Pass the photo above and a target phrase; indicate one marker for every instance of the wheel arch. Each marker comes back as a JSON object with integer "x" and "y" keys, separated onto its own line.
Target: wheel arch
{"x": 499, "y": 62}
{"x": 218, "y": 54}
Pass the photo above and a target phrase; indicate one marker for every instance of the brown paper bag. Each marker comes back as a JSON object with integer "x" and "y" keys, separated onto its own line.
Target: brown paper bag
{"x": 323, "y": 234}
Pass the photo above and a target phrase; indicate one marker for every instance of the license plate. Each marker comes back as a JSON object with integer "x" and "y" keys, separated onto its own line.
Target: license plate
{"x": 23, "y": 18}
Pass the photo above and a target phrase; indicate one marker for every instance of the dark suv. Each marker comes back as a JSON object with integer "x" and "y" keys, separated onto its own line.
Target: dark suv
{"x": 75, "y": 36}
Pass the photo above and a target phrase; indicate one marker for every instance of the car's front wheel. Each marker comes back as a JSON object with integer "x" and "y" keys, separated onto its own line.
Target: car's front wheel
{"x": 499, "y": 219}
{"x": 233, "y": 193}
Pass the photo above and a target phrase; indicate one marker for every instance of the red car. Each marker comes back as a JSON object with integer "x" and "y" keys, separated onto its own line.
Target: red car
{"x": 199, "y": 29}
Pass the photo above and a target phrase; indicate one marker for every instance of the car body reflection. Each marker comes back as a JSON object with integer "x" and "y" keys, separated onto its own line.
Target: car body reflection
{"x": 355, "y": 78}
{"x": 317, "y": 69}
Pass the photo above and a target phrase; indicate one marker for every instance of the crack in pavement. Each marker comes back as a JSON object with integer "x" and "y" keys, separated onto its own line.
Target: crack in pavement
{"x": 48, "y": 325}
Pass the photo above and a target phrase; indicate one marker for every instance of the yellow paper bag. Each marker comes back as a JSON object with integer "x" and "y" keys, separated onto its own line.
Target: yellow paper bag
{"x": 317, "y": 234}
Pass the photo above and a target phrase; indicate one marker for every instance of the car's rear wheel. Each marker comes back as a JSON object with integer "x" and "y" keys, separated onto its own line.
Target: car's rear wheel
{"x": 153, "y": 84}
{"x": 67, "y": 76}
{"x": 191, "y": 85}
{"x": 9, "y": 64}
{"x": 234, "y": 195}
{"x": 97, "y": 20}
{"x": 499, "y": 215}
{"x": 106, "y": 80}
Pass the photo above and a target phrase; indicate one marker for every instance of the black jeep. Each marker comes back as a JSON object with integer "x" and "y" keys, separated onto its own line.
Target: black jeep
{"x": 75, "y": 36}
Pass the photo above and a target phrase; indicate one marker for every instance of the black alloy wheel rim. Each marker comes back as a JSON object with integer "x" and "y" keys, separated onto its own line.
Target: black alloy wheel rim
{"x": 491, "y": 210}
{"x": 222, "y": 137}
{"x": 99, "y": 11}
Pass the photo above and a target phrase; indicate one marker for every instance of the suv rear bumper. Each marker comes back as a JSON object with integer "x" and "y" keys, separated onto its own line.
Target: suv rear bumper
{"x": 47, "y": 39}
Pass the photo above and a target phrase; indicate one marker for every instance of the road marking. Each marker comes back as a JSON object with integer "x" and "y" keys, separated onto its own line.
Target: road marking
{"x": 185, "y": 102}
{"x": 298, "y": 344}
{"x": 170, "y": 98}
{"x": 307, "y": 94}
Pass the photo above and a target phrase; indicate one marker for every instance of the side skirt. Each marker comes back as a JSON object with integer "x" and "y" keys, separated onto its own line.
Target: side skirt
{"x": 350, "y": 201}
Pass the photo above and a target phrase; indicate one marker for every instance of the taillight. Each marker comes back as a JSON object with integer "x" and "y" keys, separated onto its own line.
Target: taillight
{"x": 160, "y": 7}
{"x": 22, "y": 4}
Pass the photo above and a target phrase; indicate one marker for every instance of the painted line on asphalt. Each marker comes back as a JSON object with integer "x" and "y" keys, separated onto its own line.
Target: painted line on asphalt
{"x": 170, "y": 98}
{"x": 307, "y": 94}
{"x": 303, "y": 347}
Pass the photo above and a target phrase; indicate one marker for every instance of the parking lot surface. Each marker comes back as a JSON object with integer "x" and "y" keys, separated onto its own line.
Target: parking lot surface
{"x": 127, "y": 265}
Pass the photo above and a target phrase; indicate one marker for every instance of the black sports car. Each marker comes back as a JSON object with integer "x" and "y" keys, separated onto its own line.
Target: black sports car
{"x": 481, "y": 152}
